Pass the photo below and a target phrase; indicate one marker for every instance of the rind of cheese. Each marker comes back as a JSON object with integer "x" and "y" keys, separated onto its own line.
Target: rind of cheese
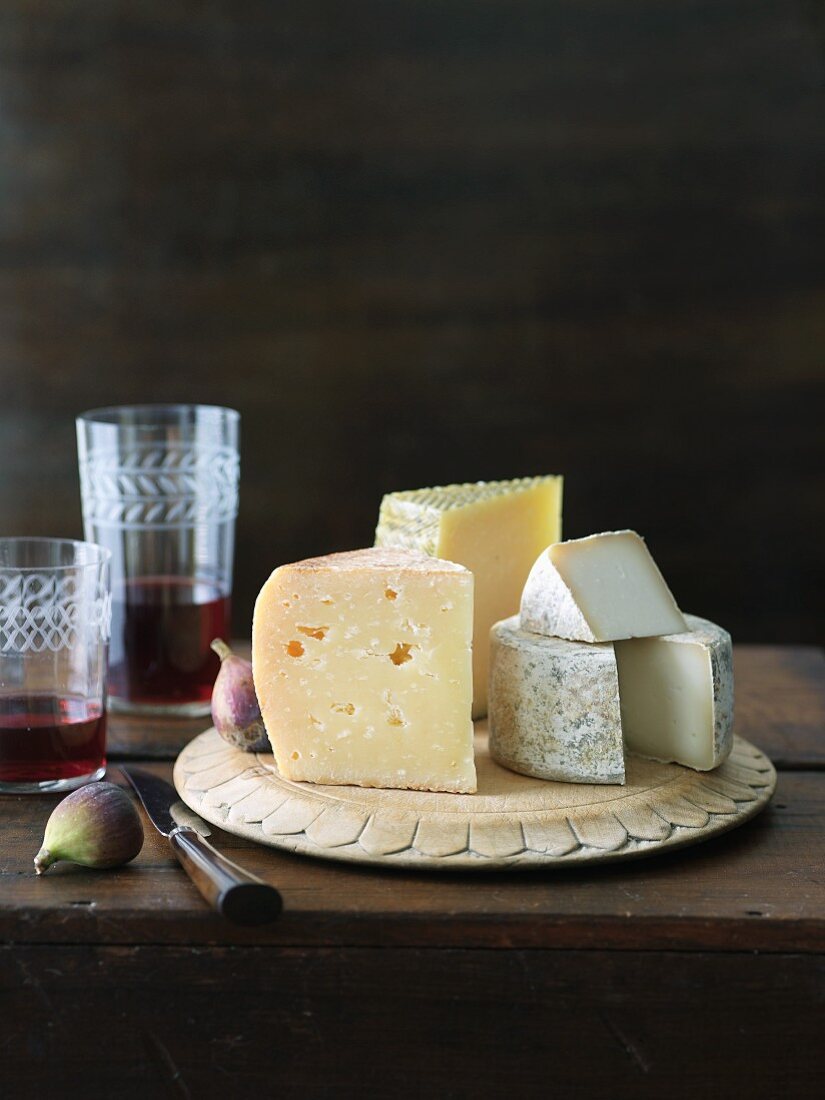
{"x": 554, "y": 707}
{"x": 677, "y": 695}
{"x": 602, "y": 588}
{"x": 494, "y": 528}
{"x": 362, "y": 667}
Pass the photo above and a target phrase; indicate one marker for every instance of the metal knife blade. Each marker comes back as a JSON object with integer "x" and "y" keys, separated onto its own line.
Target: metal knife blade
{"x": 162, "y": 803}
{"x": 237, "y": 894}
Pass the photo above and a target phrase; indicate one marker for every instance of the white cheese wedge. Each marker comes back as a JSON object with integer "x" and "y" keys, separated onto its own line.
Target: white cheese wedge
{"x": 494, "y": 528}
{"x": 554, "y": 707}
{"x": 677, "y": 695}
{"x": 599, "y": 589}
{"x": 362, "y": 667}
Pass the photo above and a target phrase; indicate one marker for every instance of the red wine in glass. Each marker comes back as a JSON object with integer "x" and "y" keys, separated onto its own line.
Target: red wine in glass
{"x": 50, "y": 737}
{"x": 159, "y": 653}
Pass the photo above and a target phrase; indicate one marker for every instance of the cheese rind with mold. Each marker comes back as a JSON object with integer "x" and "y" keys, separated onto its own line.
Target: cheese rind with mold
{"x": 599, "y": 589}
{"x": 362, "y": 667}
{"x": 677, "y": 695}
{"x": 564, "y": 710}
{"x": 554, "y": 707}
{"x": 494, "y": 528}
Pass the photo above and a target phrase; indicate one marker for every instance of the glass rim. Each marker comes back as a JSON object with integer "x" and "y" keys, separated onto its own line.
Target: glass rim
{"x": 110, "y": 415}
{"x": 95, "y": 555}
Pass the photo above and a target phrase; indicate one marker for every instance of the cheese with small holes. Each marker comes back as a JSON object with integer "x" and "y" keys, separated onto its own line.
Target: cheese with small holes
{"x": 494, "y": 528}
{"x": 362, "y": 667}
{"x": 599, "y": 589}
{"x": 677, "y": 695}
{"x": 554, "y": 707}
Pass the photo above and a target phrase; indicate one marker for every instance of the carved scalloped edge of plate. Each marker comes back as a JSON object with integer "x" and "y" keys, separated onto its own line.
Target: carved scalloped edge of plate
{"x": 670, "y": 807}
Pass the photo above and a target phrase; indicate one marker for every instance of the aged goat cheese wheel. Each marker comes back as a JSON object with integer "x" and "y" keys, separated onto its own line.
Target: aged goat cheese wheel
{"x": 677, "y": 695}
{"x": 599, "y": 589}
{"x": 362, "y": 667}
{"x": 565, "y": 710}
{"x": 494, "y": 528}
{"x": 554, "y": 707}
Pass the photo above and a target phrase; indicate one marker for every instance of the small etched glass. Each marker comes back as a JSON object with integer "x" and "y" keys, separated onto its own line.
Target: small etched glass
{"x": 159, "y": 488}
{"x": 55, "y": 615}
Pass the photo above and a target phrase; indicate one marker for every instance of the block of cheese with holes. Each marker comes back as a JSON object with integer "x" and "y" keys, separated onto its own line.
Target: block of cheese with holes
{"x": 494, "y": 528}
{"x": 677, "y": 695}
{"x": 599, "y": 589}
{"x": 362, "y": 666}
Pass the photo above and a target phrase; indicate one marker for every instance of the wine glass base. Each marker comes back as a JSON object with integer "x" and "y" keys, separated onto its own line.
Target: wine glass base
{"x": 52, "y": 786}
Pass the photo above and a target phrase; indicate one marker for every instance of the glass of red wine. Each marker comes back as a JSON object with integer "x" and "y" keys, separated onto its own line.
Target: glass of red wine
{"x": 159, "y": 487}
{"x": 55, "y": 615}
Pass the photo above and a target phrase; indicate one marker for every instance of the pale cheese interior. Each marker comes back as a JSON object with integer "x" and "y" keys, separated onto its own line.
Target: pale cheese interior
{"x": 666, "y": 700}
{"x": 362, "y": 666}
{"x": 617, "y": 586}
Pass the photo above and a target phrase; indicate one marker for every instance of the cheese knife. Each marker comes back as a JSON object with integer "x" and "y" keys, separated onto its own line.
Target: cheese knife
{"x": 236, "y": 894}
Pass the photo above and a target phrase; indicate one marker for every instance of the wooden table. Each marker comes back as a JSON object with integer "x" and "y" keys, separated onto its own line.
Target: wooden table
{"x": 702, "y": 970}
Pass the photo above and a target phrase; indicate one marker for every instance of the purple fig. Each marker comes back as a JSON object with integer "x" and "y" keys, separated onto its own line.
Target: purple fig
{"x": 235, "y": 710}
{"x": 95, "y": 826}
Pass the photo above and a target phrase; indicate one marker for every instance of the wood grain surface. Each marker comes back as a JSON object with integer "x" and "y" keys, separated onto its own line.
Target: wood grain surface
{"x": 352, "y": 1022}
{"x": 760, "y": 888}
{"x": 780, "y": 695}
{"x": 418, "y": 242}
{"x": 696, "y": 972}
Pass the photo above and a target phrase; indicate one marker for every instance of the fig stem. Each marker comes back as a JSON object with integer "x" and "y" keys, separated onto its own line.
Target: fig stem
{"x": 42, "y": 860}
{"x": 221, "y": 648}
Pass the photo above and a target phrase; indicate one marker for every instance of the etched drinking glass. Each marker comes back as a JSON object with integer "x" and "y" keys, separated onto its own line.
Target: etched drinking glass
{"x": 55, "y": 612}
{"x": 159, "y": 488}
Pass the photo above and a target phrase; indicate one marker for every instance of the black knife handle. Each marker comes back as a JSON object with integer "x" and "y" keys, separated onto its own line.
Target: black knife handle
{"x": 237, "y": 895}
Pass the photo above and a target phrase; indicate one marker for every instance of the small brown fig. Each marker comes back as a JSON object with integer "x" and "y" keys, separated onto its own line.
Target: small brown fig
{"x": 235, "y": 711}
{"x": 95, "y": 826}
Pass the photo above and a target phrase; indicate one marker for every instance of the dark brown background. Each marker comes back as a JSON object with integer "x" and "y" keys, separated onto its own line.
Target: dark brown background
{"x": 417, "y": 242}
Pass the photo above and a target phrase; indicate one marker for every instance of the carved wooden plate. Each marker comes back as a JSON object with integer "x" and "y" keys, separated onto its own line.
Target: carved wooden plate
{"x": 513, "y": 821}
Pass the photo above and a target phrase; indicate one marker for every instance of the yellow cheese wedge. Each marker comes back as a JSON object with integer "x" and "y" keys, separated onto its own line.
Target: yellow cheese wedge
{"x": 362, "y": 667}
{"x": 494, "y": 528}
